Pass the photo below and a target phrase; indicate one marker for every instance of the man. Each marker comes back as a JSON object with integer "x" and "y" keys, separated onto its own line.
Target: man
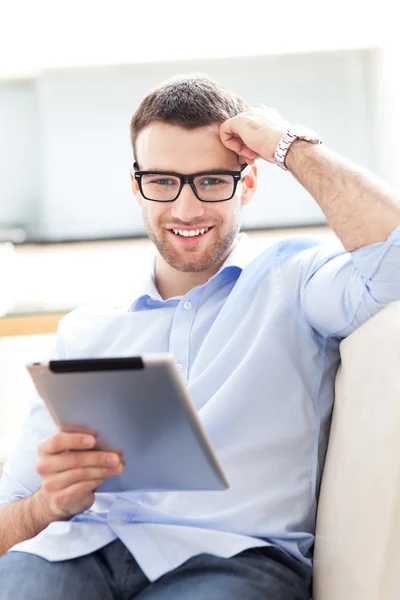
{"x": 256, "y": 342}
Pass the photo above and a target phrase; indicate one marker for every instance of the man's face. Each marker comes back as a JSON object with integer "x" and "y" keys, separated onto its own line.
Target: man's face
{"x": 164, "y": 147}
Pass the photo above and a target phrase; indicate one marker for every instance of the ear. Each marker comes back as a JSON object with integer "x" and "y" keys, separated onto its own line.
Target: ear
{"x": 249, "y": 185}
{"x": 135, "y": 188}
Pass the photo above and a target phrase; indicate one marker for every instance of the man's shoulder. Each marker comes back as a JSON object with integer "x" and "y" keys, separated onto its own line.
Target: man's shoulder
{"x": 97, "y": 308}
{"x": 90, "y": 317}
{"x": 298, "y": 247}
{"x": 294, "y": 258}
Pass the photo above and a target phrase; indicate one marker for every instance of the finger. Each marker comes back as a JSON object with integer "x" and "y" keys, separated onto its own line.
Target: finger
{"x": 243, "y": 151}
{"x": 229, "y": 133}
{"x": 248, "y": 153}
{"x": 65, "y": 479}
{"x": 62, "y": 441}
{"x": 244, "y": 159}
{"x": 56, "y": 463}
{"x": 233, "y": 143}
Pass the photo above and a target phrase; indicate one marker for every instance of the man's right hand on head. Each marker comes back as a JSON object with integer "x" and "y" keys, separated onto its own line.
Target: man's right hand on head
{"x": 70, "y": 471}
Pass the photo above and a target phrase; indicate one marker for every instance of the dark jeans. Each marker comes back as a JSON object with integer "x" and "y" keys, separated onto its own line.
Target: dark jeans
{"x": 113, "y": 574}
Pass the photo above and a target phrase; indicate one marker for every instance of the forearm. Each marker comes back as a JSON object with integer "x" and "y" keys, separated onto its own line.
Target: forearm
{"x": 361, "y": 208}
{"x": 22, "y": 520}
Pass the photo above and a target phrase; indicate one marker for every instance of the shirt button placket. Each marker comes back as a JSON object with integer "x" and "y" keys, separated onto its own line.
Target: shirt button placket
{"x": 180, "y": 336}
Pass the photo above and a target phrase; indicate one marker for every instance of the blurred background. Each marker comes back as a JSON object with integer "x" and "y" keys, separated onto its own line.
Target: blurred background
{"x": 71, "y": 76}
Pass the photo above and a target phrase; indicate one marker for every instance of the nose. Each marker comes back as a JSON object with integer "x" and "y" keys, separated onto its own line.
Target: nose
{"x": 187, "y": 206}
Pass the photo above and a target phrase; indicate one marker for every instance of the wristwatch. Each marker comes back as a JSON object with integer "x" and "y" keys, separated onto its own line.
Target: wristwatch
{"x": 295, "y": 132}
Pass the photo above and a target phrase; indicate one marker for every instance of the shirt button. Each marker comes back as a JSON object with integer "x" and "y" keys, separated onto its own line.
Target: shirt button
{"x": 119, "y": 522}
{"x": 179, "y": 367}
{"x": 187, "y": 305}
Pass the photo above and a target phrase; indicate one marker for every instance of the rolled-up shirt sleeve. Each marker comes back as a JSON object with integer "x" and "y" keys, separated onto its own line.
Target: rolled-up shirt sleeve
{"x": 338, "y": 291}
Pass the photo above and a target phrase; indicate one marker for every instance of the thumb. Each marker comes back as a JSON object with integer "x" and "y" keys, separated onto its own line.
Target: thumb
{"x": 232, "y": 143}
{"x": 237, "y": 145}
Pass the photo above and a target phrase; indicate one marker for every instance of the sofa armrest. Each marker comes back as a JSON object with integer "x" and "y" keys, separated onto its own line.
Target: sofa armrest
{"x": 357, "y": 550}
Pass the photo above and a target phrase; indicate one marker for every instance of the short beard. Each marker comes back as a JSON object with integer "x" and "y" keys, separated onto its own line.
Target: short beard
{"x": 212, "y": 255}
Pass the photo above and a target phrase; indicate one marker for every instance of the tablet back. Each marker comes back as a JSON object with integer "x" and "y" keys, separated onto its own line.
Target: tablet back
{"x": 137, "y": 405}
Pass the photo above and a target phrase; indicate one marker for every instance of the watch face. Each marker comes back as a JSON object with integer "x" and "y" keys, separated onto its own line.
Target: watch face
{"x": 303, "y": 133}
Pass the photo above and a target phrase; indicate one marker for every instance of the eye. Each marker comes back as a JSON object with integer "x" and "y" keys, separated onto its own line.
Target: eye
{"x": 163, "y": 181}
{"x": 211, "y": 181}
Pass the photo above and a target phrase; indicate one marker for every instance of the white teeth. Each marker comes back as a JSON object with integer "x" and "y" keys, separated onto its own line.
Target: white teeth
{"x": 191, "y": 233}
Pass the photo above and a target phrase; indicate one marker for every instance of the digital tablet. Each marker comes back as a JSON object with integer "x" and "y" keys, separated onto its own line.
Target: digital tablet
{"x": 138, "y": 406}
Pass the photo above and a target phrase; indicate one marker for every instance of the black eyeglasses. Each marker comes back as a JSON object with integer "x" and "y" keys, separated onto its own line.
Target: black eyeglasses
{"x": 208, "y": 186}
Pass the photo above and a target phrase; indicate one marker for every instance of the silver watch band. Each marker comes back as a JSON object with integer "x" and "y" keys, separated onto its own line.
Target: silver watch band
{"x": 282, "y": 148}
{"x": 295, "y": 132}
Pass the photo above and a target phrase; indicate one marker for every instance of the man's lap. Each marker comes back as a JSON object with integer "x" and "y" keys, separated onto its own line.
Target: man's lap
{"x": 253, "y": 575}
{"x": 257, "y": 574}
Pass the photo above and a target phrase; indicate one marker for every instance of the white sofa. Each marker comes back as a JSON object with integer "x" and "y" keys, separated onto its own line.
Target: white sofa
{"x": 357, "y": 550}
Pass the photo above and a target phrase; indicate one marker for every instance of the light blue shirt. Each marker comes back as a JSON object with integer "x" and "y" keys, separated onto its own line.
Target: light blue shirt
{"x": 258, "y": 349}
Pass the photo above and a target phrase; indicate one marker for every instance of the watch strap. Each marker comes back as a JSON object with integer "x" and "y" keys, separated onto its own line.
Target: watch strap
{"x": 282, "y": 149}
{"x": 287, "y": 140}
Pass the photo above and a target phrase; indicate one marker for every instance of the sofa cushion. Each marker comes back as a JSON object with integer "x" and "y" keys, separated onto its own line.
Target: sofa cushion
{"x": 357, "y": 550}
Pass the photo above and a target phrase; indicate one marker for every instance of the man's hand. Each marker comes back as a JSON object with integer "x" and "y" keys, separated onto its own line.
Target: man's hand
{"x": 254, "y": 133}
{"x": 70, "y": 478}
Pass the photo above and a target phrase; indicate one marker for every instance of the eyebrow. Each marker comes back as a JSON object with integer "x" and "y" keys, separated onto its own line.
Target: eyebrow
{"x": 209, "y": 170}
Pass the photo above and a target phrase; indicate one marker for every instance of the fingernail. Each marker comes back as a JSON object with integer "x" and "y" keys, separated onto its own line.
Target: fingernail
{"x": 112, "y": 461}
{"x": 87, "y": 440}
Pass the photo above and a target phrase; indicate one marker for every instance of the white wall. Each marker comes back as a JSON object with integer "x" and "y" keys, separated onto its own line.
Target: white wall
{"x": 84, "y": 122}
{"x": 386, "y": 95}
{"x": 89, "y": 32}
{"x": 20, "y": 162}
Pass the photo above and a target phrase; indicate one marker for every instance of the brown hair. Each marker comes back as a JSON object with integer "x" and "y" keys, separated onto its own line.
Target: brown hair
{"x": 189, "y": 101}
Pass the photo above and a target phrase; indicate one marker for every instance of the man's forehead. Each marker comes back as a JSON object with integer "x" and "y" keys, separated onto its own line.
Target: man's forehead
{"x": 159, "y": 129}
{"x": 165, "y": 146}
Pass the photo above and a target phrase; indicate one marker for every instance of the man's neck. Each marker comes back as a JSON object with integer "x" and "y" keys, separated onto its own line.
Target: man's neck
{"x": 170, "y": 282}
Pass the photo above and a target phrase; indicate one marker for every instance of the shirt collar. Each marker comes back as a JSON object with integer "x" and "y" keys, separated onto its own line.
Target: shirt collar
{"x": 240, "y": 256}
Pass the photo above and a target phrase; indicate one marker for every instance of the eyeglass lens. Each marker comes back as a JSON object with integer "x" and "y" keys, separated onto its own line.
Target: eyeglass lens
{"x": 213, "y": 187}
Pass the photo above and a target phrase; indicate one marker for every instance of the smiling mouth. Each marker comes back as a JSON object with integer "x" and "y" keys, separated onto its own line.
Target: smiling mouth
{"x": 190, "y": 233}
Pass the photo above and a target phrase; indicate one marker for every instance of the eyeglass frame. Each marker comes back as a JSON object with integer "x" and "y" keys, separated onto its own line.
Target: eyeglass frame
{"x": 237, "y": 176}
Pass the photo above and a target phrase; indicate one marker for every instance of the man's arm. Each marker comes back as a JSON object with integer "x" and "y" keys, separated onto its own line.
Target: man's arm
{"x": 22, "y": 520}
{"x": 336, "y": 291}
{"x": 361, "y": 208}
{"x": 70, "y": 470}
